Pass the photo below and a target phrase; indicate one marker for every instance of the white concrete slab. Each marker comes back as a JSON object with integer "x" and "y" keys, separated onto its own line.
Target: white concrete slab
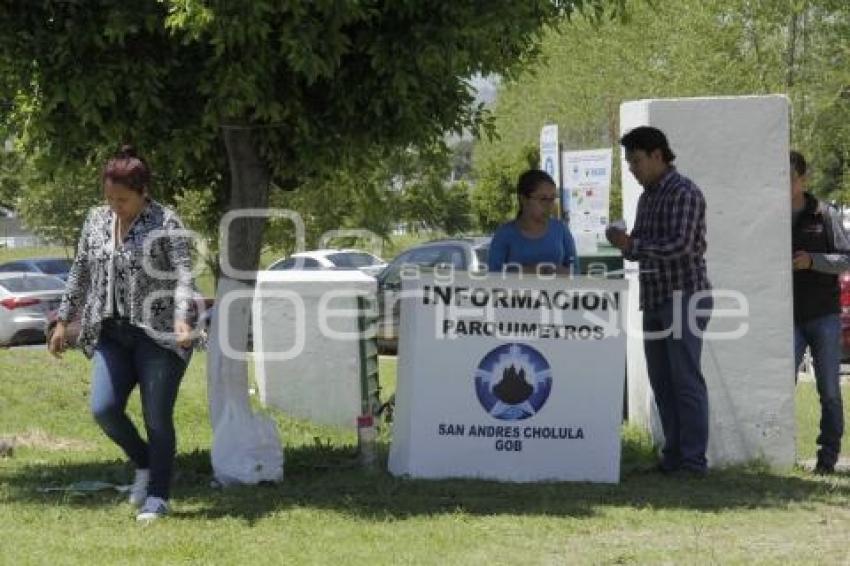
{"x": 736, "y": 150}
{"x": 306, "y": 348}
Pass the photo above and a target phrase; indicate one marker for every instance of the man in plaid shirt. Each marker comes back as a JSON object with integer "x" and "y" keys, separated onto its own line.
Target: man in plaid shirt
{"x": 668, "y": 242}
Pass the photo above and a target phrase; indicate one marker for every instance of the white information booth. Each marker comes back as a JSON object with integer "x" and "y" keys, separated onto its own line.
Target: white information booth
{"x": 514, "y": 378}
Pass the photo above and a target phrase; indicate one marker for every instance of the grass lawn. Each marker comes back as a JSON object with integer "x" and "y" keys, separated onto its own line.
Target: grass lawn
{"x": 329, "y": 512}
{"x": 12, "y": 254}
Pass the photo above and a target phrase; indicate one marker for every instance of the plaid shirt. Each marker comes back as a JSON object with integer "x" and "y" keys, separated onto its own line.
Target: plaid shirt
{"x": 668, "y": 240}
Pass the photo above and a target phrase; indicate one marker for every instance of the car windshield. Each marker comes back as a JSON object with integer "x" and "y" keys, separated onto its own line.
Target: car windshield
{"x": 30, "y": 284}
{"x": 352, "y": 259}
{"x": 54, "y": 266}
{"x": 296, "y": 263}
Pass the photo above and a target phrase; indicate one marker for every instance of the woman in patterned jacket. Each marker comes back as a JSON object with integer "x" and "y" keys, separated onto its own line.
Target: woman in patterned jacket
{"x": 131, "y": 284}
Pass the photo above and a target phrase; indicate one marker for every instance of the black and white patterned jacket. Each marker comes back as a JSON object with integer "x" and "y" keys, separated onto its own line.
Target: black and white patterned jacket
{"x": 157, "y": 276}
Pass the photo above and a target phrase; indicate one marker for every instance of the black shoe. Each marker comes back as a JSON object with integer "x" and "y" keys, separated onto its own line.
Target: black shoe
{"x": 666, "y": 469}
{"x": 668, "y": 464}
{"x": 657, "y": 468}
{"x": 824, "y": 469}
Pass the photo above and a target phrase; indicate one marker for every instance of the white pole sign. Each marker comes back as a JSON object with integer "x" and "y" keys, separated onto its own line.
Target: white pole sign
{"x": 549, "y": 157}
{"x": 514, "y": 378}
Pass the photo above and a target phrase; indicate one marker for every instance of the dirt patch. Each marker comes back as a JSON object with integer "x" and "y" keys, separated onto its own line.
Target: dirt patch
{"x": 42, "y": 440}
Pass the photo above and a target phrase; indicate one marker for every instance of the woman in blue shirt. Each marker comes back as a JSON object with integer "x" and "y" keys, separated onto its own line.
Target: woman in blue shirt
{"x": 534, "y": 242}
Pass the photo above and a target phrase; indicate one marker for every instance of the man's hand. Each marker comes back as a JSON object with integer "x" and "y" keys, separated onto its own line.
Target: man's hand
{"x": 618, "y": 237}
{"x": 57, "y": 343}
{"x": 802, "y": 260}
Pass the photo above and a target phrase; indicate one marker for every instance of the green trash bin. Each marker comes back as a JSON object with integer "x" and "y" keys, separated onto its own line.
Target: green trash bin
{"x": 605, "y": 259}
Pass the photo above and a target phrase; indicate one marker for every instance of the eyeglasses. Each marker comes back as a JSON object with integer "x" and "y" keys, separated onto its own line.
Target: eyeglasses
{"x": 544, "y": 200}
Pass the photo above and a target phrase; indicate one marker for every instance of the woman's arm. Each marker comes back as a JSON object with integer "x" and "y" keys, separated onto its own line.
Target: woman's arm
{"x": 498, "y": 254}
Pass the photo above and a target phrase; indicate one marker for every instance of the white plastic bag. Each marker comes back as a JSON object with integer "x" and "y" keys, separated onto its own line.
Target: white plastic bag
{"x": 245, "y": 448}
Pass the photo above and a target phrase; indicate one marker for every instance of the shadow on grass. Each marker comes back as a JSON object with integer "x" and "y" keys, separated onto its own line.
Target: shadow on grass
{"x": 326, "y": 477}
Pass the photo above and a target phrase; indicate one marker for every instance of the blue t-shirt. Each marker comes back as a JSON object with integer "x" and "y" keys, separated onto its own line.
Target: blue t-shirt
{"x": 556, "y": 247}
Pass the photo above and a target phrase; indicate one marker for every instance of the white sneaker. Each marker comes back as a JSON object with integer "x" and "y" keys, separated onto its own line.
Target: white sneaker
{"x": 139, "y": 489}
{"x": 154, "y": 508}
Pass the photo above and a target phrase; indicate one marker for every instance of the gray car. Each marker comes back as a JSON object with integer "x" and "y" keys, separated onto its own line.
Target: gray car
{"x": 25, "y": 300}
{"x": 56, "y": 266}
{"x": 462, "y": 254}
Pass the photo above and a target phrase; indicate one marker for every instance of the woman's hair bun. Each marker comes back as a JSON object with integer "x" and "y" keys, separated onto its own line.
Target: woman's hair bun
{"x": 128, "y": 169}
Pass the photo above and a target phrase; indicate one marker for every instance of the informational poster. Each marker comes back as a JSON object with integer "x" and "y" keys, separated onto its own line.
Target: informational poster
{"x": 587, "y": 180}
{"x": 513, "y": 378}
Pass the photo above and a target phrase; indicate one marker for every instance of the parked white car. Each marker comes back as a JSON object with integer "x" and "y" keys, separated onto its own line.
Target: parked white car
{"x": 332, "y": 259}
{"x": 25, "y": 300}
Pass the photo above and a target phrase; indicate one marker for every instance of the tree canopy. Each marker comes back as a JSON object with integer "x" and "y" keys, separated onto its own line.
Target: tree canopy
{"x": 320, "y": 85}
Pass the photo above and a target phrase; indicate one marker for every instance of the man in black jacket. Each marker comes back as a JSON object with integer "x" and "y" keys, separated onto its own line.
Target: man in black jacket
{"x": 821, "y": 251}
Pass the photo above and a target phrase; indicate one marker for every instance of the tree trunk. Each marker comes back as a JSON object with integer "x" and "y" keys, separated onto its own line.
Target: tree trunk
{"x": 791, "y": 59}
{"x": 249, "y": 188}
{"x": 246, "y": 447}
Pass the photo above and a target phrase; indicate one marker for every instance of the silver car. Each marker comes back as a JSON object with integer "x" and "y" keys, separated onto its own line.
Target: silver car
{"x": 25, "y": 300}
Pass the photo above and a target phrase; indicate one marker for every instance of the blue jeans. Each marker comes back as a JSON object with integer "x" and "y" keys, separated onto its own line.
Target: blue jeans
{"x": 126, "y": 356}
{"x": 823, "y": 337}
{"x": 673, "y": 366}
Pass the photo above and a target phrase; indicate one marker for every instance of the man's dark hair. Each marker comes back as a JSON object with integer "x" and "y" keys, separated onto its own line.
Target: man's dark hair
{"x": 798, "y": 163}
{"x": 648, "y": 139}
